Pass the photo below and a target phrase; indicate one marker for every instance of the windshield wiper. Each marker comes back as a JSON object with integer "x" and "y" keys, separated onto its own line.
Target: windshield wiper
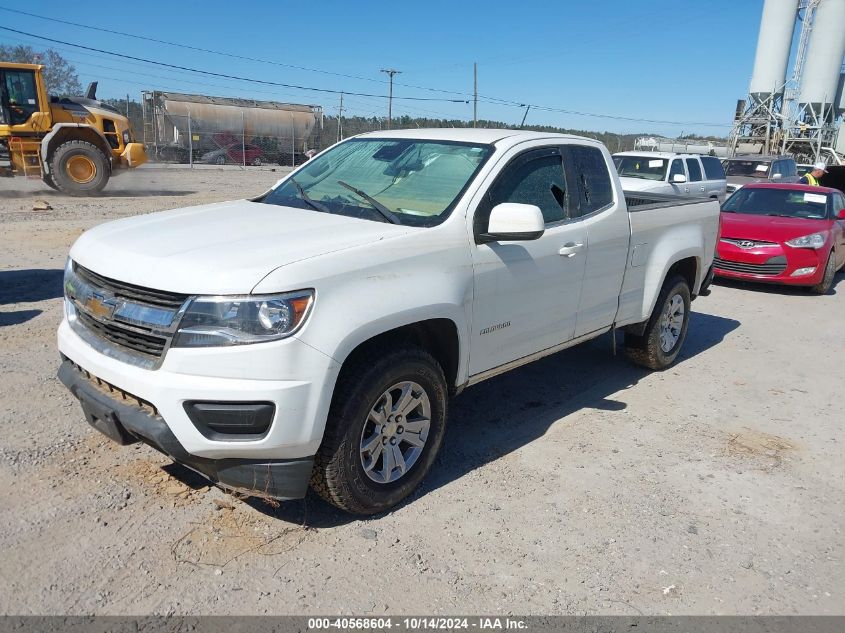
{"x": 378, "y": 206}
{"x": 305, "y": 197}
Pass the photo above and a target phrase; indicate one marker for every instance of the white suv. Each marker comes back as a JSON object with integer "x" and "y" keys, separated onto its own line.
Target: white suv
{"x": 672, "y": 174}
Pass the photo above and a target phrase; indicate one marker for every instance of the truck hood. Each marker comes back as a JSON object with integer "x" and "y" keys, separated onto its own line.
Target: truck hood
{"x": 769, "y": 228}
{"x": 640, "y": 184}
{"x": 224, "y": 248}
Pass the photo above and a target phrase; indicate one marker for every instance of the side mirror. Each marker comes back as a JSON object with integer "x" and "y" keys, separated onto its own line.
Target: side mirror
{"x": 841, "y": 214}
{"x": 679, "y": 179}
{"x": 514, "y": 222}
{"x": 777, "y": 176}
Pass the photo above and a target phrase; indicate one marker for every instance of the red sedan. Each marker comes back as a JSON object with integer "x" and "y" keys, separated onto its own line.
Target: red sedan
{"x": 783, "y": 233}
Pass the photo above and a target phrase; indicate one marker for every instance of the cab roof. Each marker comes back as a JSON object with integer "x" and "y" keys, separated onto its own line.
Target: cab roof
{"x": 470, "y": 135}
{"x": 648, "y": 154}
{"x": 16, "y": 66}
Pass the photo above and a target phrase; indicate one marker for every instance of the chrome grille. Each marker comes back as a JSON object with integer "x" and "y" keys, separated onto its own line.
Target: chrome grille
{"x": 774, "y": 266}
{"x": 161, "y": 298}
{"x": 746, "y": 243}
{"x": 130, "y": 323}
{"x": 141, "y": 342}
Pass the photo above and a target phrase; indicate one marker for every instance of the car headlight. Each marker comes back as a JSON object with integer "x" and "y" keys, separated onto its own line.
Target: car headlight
{"x": 223, "y": 321}
{"x": 815, "y": 240}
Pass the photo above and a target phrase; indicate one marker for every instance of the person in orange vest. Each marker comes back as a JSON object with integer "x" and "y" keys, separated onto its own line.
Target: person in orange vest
{"x": 812, "y": 177}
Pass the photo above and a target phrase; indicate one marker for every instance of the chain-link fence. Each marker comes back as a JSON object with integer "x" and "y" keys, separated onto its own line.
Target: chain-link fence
{"x": 197, "y": 129}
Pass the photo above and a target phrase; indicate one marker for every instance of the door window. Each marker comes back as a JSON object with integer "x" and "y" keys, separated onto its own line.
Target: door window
{"x": 694, "y": 169}
{"x": 536, "y": 178}
{"x": 20, "y": 97}
{"x": 592, "y": 179}
{"x": 677, "y": 169}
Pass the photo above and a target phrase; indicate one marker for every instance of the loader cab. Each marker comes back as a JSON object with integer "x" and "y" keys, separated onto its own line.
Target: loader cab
{"x": 21, "y": 94}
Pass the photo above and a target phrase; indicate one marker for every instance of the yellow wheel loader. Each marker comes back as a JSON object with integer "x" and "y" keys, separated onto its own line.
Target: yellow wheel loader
{"x": 73, "y": 144}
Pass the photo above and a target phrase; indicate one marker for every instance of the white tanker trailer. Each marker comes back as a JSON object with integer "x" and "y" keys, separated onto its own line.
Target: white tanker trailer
{"x": 183, "y": 127}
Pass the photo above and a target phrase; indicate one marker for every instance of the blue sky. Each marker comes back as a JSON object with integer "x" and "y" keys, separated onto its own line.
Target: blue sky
{"x": 679, "y": 61}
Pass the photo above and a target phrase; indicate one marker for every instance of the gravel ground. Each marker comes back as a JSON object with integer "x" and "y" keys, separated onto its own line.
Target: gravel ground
{"x": 578, "y": 484}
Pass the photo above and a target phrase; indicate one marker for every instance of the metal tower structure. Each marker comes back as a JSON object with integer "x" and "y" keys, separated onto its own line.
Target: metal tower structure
{"x": 810, "y": 112}
{"x": 795, "y": 114}
{"x": 759, "y": 122}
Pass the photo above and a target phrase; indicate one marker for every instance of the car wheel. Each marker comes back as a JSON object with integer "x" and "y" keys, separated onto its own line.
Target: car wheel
{"x": 826, "y": 283}
{"x": 659, "y": 345}
{"x": 78, "y": 168}
{"x": 220, "y": 160}
{"x": 384, "y": 430}
{"x": 256, "y": 162}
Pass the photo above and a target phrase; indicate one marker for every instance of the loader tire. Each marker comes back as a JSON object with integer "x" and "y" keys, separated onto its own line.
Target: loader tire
{"x": 78, "y": 168}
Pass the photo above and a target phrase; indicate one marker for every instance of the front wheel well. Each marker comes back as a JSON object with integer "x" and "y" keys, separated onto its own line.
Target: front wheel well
{"x": 86, "y": 134}
{"x": 437, "y": 336}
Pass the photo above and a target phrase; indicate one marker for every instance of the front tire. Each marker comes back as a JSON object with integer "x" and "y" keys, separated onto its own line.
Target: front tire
{"x": 826, "y": 283}
{"x": 78, "y": 168}
{"x": 659, "y": 346}
{"x": 384, "y": 430}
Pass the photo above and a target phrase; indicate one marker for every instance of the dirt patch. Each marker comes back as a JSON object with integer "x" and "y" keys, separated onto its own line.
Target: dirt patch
{"x": 158, "y": 482}
{"x": 232, "y": 532}
{"x": 767, "y": 449}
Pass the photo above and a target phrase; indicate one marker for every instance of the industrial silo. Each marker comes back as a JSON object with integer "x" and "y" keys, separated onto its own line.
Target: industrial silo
{"x": 823, "y": 63}
{"x": 773, "y": 46}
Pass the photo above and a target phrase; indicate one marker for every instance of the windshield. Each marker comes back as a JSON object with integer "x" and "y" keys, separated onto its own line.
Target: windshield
{"x": 641, "y": 167}
{"x": 406, "y": 181}
{"x": 780, "y": 202}
{"x": 750, "y": 168}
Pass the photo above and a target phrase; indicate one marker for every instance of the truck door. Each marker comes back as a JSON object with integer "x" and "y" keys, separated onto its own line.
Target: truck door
{"x": 526, "y": 293}
{"x": 677, "y": 167}
{"x": 697, "y": 188}
{"x": 19, "y": 96}
{"x": 608, "y": 234}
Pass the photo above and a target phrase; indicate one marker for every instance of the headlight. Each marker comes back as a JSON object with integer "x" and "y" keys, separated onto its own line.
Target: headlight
{"x": 222, "y": 321}
{"x": 816, "y": 240}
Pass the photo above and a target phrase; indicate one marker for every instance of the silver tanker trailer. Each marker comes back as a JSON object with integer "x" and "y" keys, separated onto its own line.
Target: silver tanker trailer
{"x": 187, "y": 128}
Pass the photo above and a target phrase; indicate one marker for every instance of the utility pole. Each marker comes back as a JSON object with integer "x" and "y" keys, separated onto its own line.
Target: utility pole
{"x": 340, "y": 120}
{"x": 474, "y": 94}
{"x": 525, "y": 115}
{"x": 390, "y": 72}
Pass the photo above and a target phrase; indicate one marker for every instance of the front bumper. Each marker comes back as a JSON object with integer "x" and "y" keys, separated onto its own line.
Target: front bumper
{"x": 771, "y": 263}
{"x": 297, "y": 379}
{"x": 127, "y": 420}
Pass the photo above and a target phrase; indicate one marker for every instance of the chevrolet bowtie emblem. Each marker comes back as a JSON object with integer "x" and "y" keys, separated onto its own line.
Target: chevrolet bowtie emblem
{"x": 100, "y": 307}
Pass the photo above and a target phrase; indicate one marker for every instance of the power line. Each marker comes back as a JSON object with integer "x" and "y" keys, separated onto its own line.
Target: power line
{"x": 482, "y": 98}
{"x": 223, "y": 75}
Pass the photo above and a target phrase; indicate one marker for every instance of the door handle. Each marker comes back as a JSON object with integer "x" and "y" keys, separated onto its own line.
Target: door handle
{"x": 570, "y": 249}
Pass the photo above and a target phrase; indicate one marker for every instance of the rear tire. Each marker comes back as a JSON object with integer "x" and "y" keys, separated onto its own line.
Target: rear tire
{"x": 362, "y": 414}
{"x": 824, "y": 286}
{"x": 78, "y": 168}
{"x": 661, "y": 342}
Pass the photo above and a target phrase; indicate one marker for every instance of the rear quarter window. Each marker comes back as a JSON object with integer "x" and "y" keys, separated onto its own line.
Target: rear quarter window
{"x": 713, "y": 168}
{"x": 592, "y": 179}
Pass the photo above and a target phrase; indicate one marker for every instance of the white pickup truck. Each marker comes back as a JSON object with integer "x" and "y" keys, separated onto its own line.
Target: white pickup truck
{"x": 316, "y": 332}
